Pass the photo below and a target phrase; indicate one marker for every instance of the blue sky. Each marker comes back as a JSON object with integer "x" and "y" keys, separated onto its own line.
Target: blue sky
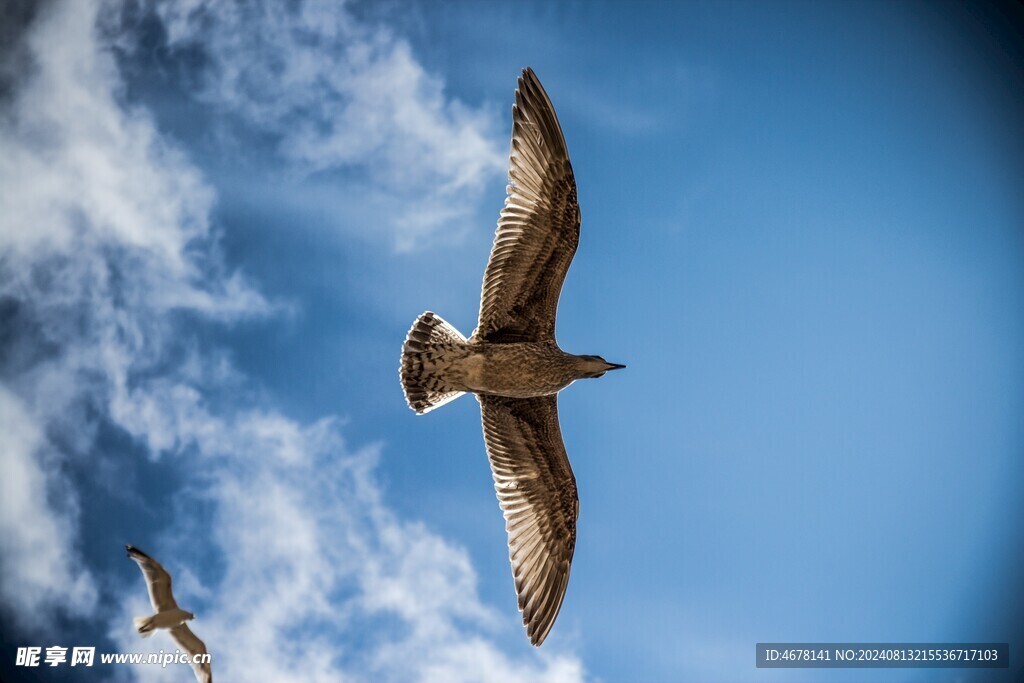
{"x": 803, "y": 232}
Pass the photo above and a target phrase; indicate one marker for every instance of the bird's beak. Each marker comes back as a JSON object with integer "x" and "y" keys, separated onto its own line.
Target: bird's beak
{"x": 614, "y": 366}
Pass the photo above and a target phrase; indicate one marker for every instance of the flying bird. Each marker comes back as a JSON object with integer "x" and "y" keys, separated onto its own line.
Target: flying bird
{"x": 512, "y": 363}
{"x": 168, "y": 615}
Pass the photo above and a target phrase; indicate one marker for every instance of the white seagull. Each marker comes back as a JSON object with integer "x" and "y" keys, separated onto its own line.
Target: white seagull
{"x": 168, "y": 615}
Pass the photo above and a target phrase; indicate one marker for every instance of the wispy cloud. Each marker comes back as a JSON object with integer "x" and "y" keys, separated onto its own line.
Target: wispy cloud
{"x": 107, "y": 255}
{"x": 319, "y": 577}
{"x": 104, "y": 232}
{"x": 34, "y": 537}
{"x": 337, "y": 93}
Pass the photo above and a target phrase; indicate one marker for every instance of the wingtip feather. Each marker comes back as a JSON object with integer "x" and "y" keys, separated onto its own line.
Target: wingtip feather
{"x": 133, "y": 552}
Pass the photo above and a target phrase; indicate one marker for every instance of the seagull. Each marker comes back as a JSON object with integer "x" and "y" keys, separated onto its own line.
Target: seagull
{"x": 512, "y": 362}
{"x": 168, "y": 615}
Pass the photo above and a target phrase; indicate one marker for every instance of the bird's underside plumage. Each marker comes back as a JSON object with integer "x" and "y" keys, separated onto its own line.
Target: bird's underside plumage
{"x": 512, "y": 363}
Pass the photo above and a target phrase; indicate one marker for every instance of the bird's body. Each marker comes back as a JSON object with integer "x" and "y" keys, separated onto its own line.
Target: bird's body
{"x": 513, "y": 363}
{"x": 519, "y": 370}
{"x": 166, "y": 619}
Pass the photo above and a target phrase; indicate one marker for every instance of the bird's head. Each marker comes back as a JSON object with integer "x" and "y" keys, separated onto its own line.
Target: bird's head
{"x": 594, "y": 366}
{"x": 190, "y": 616}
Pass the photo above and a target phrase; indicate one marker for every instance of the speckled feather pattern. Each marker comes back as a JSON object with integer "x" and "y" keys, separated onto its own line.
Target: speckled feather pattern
{"x": 512, "y": 362}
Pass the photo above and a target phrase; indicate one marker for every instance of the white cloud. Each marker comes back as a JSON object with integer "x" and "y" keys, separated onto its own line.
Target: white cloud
{"x": 34, "y": 540}
{"x": 84, "y": 178}
{"x": 103, "y": 232}
{"x": 106, "y": 243}
{"x": 99, "y": 215}
{"x": 341, "y": 94}
{"x": 320, "y": 579}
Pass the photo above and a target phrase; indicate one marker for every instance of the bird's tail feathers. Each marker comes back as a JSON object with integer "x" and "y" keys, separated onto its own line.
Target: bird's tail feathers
{"x": 422, "y": 354}
{"x": 144, "y": 625}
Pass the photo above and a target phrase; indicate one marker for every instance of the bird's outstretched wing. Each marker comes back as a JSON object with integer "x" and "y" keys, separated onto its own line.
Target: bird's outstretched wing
{"x": 190, "y": 643}
{"x": 157, "y": 580}
{"x": 538, "y": 230}
{"x": 537, "y": 493}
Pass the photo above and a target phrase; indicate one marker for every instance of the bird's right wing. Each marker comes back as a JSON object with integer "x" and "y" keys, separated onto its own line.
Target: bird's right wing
{"x": 538, "y": 230}
{"x": 157, "y": 580}
{"x": 537, "y": 493}
{"x": 191, "y": 644}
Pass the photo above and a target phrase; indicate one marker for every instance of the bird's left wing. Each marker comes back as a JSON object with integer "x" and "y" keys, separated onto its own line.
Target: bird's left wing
{"x": 537, "y": 492}
{"x": 158, "y": 581}
{"x": 191, "y": 644}
{"x": 538, "y": 230}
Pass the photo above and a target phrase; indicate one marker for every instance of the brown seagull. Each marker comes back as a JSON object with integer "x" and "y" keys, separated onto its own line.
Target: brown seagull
{"x": 512, "y": 362}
